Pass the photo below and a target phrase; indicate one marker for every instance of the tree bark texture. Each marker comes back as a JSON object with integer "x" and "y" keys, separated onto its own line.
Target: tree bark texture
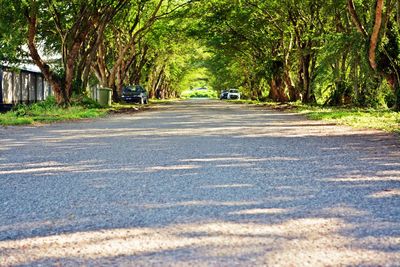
{"x": 375, "y": 34}
{"x": 355, "y": 19}
{"x": 50, "y": 76}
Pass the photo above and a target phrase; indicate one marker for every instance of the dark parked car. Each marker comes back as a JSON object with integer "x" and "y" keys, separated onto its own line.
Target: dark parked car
{"x": 135, "y": 93}
{"x": 224, "y": 94}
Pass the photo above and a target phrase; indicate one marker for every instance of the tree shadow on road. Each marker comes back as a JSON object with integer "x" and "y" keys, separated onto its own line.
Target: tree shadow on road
{"x": 263, "y": 188}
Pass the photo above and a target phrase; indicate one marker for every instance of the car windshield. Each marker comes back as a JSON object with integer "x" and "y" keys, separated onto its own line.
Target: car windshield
{"x": 132, "y": 89}
{"x": 233, "y": 91}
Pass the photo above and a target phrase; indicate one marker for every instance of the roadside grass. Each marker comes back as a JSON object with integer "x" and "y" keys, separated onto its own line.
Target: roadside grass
{"x": 48, "y": 111}
{"x": 81, "y": 108}
{"x": 253, "y": 102}
{"x": 123, "y": 105}
{"x": 379, "y": 119}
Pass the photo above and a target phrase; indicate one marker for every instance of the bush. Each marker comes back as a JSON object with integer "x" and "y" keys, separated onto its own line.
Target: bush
{"x": 22, "y": 110}
{"x": 49, "y": 111}
{"x": 85, "y": 101}
{"x": 263, "y": 99}
{"x": 49, "y": 103}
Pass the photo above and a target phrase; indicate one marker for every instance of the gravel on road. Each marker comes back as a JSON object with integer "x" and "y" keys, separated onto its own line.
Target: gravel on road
{"x": 199, "y": 183}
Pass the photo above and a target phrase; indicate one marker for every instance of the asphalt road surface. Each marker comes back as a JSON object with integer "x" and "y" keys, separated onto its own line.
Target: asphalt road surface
{"x": 199, "y": 183}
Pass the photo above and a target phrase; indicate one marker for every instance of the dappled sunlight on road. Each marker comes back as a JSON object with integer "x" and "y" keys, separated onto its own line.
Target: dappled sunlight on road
{"x": 48, "y": 168}
{"x": 201, "y": 183}
{"x": 251, "y": 124}
{"x": 313, "y": 241}
{"x": 239, "y": 159}
{"x": 363, "y": 178}
{"x": 198, "y": 203}
{"x": 227, "y": 186}
{"x": 341, "y": 210}
{"x": 258, "y": 211}
{"x": 268, "y": 130}
{"x": 394, "y": 192}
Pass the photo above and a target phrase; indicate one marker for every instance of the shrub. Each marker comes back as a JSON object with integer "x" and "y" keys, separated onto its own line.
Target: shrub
{"x": 22, "y": 110}
{"x": 49, "y": 111}
{"x": 85, "y": 101}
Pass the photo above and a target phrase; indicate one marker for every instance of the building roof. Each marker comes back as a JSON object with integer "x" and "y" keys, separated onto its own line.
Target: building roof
{"x": 21, "y": 66}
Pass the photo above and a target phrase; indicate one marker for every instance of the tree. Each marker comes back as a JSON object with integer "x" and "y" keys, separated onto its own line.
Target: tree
{"x": 11, "y": 41}
{"x": 331, "y": 52}
{"x": 123, "y": 52}
{"x": 74, "y": 29}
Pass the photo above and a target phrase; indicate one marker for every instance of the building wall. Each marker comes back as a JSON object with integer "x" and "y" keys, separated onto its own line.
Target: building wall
{"x": 23, "y": 87}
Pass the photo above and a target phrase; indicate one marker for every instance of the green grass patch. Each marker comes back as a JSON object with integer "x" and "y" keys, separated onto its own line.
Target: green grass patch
{"x": 356, "y": 117}
{"x": 123, "y": 105}
{"x": 81, "y": 108}
{"x": 48, "y": 111}
{"x": 244, "y": 101}
{"x": 9, "y": 119}
{"x": 252, "y": 102}
{"x": 380, "y": 119}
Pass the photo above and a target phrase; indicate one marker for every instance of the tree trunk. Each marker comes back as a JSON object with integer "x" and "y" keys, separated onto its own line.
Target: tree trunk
{"x": 277, "y": 90}
{"x": 375, "y": 34}
{"x": 307, "y": 97}
{"x": 397, "y": 93}
{"x": 273, "y": 91}
{"x": 394, "y": 84}
{"x": 355, "y": 78}
{"x": 374, "y": 38}
{"x": 49, "y": 75}
{"x": 293, "y": 92}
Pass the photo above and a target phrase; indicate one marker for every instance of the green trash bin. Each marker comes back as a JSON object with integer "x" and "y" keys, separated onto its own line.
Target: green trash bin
{"x": 105, "y": 96}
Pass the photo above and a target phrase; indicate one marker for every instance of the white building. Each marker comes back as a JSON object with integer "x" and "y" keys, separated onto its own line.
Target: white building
{"x": 22, "y": 84}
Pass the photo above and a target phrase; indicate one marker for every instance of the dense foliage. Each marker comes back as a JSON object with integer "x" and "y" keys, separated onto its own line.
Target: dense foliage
{"x": 314, "y": 51}
{"x": 335, "y": 52}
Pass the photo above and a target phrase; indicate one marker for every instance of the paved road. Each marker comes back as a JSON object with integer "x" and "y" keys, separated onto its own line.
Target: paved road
{"x": 199, "y": 183}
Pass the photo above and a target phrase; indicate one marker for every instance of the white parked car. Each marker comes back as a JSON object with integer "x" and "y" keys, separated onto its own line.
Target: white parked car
{"x": 233, "y": 94}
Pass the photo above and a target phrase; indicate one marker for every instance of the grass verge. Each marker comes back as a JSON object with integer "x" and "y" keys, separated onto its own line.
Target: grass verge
{"x": 48, "y": 111}
{"x": 386, "y": 120}
{"x": 82, "y": 108}
{"x": 379, "y": 119}
{"x": 253, "y": 102}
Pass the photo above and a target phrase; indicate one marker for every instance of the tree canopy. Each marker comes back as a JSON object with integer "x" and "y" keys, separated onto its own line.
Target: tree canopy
{"x": 343, "y": 52}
